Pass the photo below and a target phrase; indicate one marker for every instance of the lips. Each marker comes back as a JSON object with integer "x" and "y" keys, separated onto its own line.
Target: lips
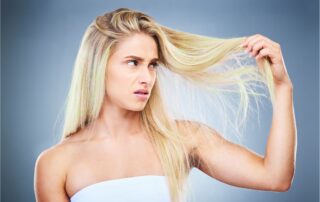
{"x": 142, "y": 94}
{"x": 142, "y": 91}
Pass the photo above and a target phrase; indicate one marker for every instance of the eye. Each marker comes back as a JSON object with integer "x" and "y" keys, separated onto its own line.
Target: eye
{"x": 155, "y": 64}
{"x": 133, "y": 61}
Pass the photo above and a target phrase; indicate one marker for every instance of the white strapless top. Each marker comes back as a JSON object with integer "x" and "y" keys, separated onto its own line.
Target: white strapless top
{"x": 144, "y": 188}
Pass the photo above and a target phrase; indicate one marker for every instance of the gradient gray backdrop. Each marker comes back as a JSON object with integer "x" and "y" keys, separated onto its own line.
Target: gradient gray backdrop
{"x": 39, "y": 43}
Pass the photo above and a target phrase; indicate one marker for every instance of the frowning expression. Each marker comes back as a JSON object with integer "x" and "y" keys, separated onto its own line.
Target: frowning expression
{"x": 131, "y": 71}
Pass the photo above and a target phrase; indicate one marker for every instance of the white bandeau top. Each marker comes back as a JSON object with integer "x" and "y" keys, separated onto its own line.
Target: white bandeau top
{"x": 146, "y": 188}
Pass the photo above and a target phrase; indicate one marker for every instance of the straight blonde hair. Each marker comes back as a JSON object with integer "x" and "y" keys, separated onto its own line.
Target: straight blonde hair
{"x": 186, "y": 54}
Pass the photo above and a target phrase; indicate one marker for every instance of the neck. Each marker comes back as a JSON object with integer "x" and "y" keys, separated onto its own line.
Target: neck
{"x": 117, "y": 122}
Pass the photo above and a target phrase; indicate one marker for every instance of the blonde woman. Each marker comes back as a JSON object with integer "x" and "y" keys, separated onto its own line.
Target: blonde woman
{"x": 121, "y": 143}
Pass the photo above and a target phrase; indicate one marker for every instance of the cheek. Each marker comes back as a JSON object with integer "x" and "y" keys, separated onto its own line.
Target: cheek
{"x": 116, "y": 85}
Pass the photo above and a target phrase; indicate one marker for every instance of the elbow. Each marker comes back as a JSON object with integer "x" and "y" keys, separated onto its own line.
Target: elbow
{"x": 283, "y": 183}
{"x": 282, "y": 187}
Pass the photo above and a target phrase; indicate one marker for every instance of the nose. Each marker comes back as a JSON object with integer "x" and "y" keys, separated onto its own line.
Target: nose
{"x": 146, "y": 76}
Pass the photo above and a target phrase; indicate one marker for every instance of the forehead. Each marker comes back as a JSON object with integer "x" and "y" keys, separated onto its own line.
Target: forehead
{"x": 139, "y": 44}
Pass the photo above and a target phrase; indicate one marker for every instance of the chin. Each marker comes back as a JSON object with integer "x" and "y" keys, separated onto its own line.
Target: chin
{"x": 140, "y": 108}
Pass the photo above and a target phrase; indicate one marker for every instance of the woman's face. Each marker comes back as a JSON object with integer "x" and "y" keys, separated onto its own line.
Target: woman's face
{"x": 132, "y": 67}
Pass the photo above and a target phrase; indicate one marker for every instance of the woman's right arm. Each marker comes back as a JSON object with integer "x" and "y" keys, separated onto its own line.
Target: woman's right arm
{"x": 49, "y": 176}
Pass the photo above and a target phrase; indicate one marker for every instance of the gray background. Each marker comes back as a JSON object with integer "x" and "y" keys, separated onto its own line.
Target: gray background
{"x": 39, "y": 43}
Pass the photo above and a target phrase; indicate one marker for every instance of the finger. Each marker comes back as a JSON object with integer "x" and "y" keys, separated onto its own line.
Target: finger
{"x": 259, "y": 39}
{"x": 255, "y": 37}
{"x": 251, "y": 42}
{"x": 273, "y": 43}
{"x": 266, "y": 52}
{"x": 247, "y": 40}
{"x": 257, "y": 46}
{"x": 270, "y": 42}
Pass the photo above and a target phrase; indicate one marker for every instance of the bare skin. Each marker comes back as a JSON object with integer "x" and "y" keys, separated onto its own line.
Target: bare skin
{"x": 66, "y": 168}
{"x": 133, "y": 156}
{"x": 117, "y": 134}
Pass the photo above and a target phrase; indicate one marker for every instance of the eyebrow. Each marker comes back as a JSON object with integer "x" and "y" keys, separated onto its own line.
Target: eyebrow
{"x": 141, "y": 59}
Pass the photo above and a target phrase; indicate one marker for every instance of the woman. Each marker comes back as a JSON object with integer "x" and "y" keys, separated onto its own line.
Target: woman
{"x": 120, "y": 141}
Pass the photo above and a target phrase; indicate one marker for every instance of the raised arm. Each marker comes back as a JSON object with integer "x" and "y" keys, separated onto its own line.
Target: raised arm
{"x": 282, "y": 142}
{"x": 239, "y": 166}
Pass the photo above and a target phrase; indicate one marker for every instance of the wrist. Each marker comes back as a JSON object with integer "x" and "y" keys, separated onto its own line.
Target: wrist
{"x": 285, "y": 86}
{"x": 283, "y": 91}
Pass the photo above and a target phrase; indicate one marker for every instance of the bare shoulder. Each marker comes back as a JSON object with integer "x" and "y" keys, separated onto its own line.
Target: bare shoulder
{"x": 50, "y": 174}
{"x": 56, "y": 158}
{"x": 199, "y": 135}
{"x": 55, "y": 153}
{"x": 198, "y": 132}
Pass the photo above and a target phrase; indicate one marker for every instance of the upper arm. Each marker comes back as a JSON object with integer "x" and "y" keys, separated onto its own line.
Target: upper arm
{"x": 229, "y": 162}
{"x": 49, "y": 177}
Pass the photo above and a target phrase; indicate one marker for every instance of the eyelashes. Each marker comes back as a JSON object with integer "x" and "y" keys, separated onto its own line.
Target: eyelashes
{"x": 155, "y": 64}
{"x": 134, "y": 61}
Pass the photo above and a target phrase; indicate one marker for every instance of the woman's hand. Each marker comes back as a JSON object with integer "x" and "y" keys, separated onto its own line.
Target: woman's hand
{"x": 259, "y": 46}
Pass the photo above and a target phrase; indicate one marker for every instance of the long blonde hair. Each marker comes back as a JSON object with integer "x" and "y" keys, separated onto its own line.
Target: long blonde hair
{"x": 186, "y": 54}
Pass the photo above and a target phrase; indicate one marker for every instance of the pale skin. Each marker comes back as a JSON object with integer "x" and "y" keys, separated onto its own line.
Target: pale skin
{"x": 66, "y": 168}
{"x": 236, "y": 165}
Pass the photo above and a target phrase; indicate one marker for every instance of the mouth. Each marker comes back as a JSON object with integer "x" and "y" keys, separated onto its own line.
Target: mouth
{"x": 142, "y": 96}
{"x": 141, "y": 93}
